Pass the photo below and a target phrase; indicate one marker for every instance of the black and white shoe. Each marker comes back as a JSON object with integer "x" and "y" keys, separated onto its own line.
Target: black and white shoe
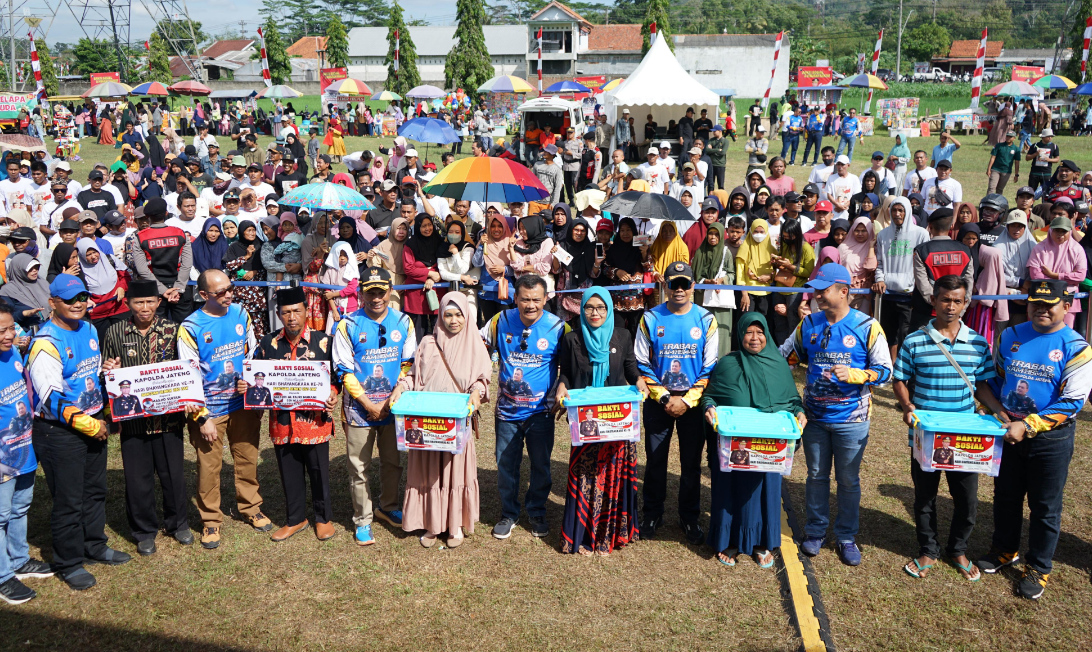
{"x": 648, "y": 527}
{"x": 694, "y": 534}
{"x": 503, "y": 529}
{"x": 34, "y": 568}
{"x": 539, "y": 527}
{"x": 15, "y": 592}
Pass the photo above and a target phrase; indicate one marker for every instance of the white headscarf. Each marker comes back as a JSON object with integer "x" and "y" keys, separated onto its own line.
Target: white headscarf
{"x": 101, "y": 277}
{"x": 348, "y": 272}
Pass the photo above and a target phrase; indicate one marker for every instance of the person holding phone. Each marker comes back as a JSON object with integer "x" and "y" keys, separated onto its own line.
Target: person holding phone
{"x": 585, "y": 261}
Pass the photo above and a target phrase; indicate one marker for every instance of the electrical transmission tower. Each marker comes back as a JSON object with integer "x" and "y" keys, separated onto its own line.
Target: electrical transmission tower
{"x": 105, "y": 19}
{"x": 173, "y": 19}
{"x": 17, "y": 21}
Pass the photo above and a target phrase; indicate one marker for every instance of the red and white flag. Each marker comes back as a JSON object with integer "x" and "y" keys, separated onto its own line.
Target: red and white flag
{"x": 397, "y": 45}
{"x": 652, "y": 33}
{"x": 979, "y": 64}
{"x": 36, "y": 66}
{"x": 776, "y": 54}
{"x": 875, "y": 66}
{"x": 540, "y": 61}
{"x": 147, "y": 45}
{"x": 265, "y": 60}
{"x": 1084, "y": 51}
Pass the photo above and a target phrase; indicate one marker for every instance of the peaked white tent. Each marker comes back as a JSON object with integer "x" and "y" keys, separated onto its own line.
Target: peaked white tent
{"x": 662, "y": 87}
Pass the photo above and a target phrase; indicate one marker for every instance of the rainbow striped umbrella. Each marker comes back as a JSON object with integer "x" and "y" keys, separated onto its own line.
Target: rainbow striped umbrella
{"x": 349, "y": 86}
{"x": 280, "y": 91}
{"x": 326, "y": 196}
{"x": 1054, "y": 82}
{"x": 386, "y": 96}
{"x": 612, "y": 84}
{"x": 1014, "y": 89}
{"x": 150, "y": 88}
{"x": 108, "y": 89}
{"x": 864, "y": 80}
{"x": 506, "y": 84}
{"x": 486, "y": 178}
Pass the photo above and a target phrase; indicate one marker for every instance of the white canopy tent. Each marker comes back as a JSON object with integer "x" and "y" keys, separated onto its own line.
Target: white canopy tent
{"x": 662, "y": 87}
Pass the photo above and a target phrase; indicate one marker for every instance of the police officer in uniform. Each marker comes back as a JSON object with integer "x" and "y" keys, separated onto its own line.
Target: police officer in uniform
{"x": 259, "y": 393}
{"x": 126, "y": 405}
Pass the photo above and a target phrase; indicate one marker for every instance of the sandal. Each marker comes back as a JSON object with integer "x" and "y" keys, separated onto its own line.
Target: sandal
{"x": 917, "y": 570}
{"x": 970, "y": 572}
{"x": 765, "y": 560}
{"x": 727, "y": 559}
{"x": 584, "y": 551}
{"x": 455, "y": 540}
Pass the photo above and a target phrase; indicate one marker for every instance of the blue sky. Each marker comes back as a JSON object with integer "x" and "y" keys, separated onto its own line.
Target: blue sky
{"x": 216, "y": 16}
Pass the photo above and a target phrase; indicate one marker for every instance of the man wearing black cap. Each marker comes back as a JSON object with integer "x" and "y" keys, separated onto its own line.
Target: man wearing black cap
{"x": 938, "y": 257}
{"x": 167, "y": 260}
{"x": 256, "y": 181}
{"x": 151, "y": 445}
{"x": 675, "y": 339}
{"x": 116, "y": 235}
{"x": 301, "y": 437}
{"x": 1066, "y": 185}
{"x": 382, "y": 216}
{"x": 95, "y": 198}
{"x": 1049, "y": 362}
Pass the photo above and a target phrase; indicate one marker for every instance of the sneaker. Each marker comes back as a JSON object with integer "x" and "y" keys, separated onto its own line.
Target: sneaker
{"x": 34, "y": 568}
{"x": 210, "y": 538}
{"x": 503, "y": 529}
{"x": 648, "y": 527}
{"x": 15, "y": 592}
{"x": 394, "y": 517}
{"x": 184, "y": 536}
{"x": 812, "y": 545}
{"x": 1031, "y": 586}
{"x": 539, "y": 527}
{"x": 79, "y": 580}
{"x": 849, "y": 553}
{"x": 995, "y": 560}
{"x": 364, "y": 535}
{"x": 146, "y": 547}
{"x": 261, "y": 522}
{"x": 694, "y": 534}
{"x": 111, "y": 558}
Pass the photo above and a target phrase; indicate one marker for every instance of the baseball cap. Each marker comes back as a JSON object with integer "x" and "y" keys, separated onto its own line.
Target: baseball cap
{"x": 824, "y": 207}
{"x": 325, "y": 158}
{"x": 58, "y": 184}
{"x": 388, "y": 185}
{"x": 94, "y": 174}
{"x": 792, "y": 197}
{"x": 1068, "y": 164}
{"x": 1046, "y": 132}
{"x": 625, "y": 110}
{"x": 367, "y": 191}
{"x": 828, "y": 275}
{"x": 695, "y": 150}
{"x": 254, "y": 166}
{"x": 238, "y": 161}
{"x": 710, "y": 202}
{"x": 69, "y": 225}
{"x": 652, "y": 152}
{"x": 409, "y": 181}
{"x": 688, "y": 166}
{"x": 63, "y": 165}
{"x": 113, "y": 218}
{"x": 89, "y": 215}
{"x": 1025, "y": 190}
{"x": 1017, "y": 216}
{"x": 375, "y": 277}
{"x": 602, "y": 225}
{"x": 1010, "y": 132}
{"x": 190, "y": 150}
{"x": 761, "y": 128}
{"x": 718, "y": 128}
{"x": 679, "y": 269}
{"x": 1048, "y": 290}
{"x": 946, "y": 163}
{"x": 843, "y": 159}
{"x": 1082, "y": 207}
{"x": 66, "y": 286}
{"x": 550, "y": 149}
{"x": 411, "y": 152}
{"x": 22, "y": 233}
{"x": 1063, "y": 223}
{"x": 877, "y": 155}
{"x": 811, "y": 188}
{"x": 271, "y": 200}
{"x": 664, "y": 145}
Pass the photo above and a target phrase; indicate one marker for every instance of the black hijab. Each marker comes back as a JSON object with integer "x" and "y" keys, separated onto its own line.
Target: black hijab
{"x": 625, "y": 255}
{"x": 972, "y": 227}
{"x": 536, "y": 235}
{"x": 920, "y": 218}
{"x": 583, "y": 253}
{"x": 59, "y": 260}
{"x": 238, "y": 248}
{"x": 829, "y": 240}
{"x": 560, "y": 233}
{"x": 427, "y": 250}
{"x": 356, "y": 241}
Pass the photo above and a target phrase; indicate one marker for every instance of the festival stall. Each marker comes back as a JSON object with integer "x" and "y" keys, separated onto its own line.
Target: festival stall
{"x": 900, "y": 116}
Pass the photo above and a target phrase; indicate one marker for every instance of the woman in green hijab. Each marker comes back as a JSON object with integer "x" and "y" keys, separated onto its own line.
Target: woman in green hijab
{"x": 714, "y": 263}
{"x": 745, "y": 515}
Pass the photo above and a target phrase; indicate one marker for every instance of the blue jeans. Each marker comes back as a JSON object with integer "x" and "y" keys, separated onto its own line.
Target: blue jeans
{"x": 537, "y": 431}
{"x": 844, "y": 444}
{"x": 843, "y": 143}
{"x": 790, "y": 140}
{"x": 15, "y": 497}
{"x": 1025, "y": 139}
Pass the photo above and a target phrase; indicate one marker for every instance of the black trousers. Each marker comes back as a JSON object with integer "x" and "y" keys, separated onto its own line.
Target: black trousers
{"x": 692, "y": 438}
{"x": 487, "y": 309}
{"x": 422, "y": 325}
{"x": 570, "y": 186}
{"x": 717, "y": 176}
{"x": 630, "y": 320}
{"x": 298, "y": 463}
{"x": 177, "y": 312}
{"x": 145, "y": 457}
{"x": 783, "y": 325}
{"x": 75, "y": 471}
{"x": 964, "y": 489}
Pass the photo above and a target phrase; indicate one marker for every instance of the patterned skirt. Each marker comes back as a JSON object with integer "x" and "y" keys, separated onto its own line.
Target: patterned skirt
{"x": 601, "y": 500}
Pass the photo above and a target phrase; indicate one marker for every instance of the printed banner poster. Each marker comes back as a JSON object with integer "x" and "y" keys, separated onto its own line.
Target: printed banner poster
{"x": 1027, "y": 73}
{"x": 809, "y": 76}
{"x": 103, "y": 77}
{"x": 328, "y": 76}
{"x": 608, "y": 422}
{"x": 962, "y": 452}
{"x": 286, "y": 385}
{"x": 431, "y": 433}
{"x": 154, "y": 389}
{"x": 751, "y": 454}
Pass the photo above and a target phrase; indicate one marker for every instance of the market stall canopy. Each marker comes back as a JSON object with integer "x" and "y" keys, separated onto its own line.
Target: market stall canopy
{"x": 1054, "y": 82}
{"x": 567, "y": 87}
{"x": 1014, "y": 89}
{"x": 22, "y": 143}
{"x": 233, "y": 94}
{"x": 864, "y": 80}
{"x": 150, "y": 88}
{"x": 660, "y": 86}
{"x": 386, "y": 96}
{"x": 279, "y": 92}
{"x": 425, "y": 92}
{"x": 349, "y": 86}
{"x": 429, "y": 130}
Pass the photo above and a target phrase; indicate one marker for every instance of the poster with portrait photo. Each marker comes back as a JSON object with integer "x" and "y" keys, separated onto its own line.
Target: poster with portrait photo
{"x": 154, "y": 389}
{"x": 286, "y": 384}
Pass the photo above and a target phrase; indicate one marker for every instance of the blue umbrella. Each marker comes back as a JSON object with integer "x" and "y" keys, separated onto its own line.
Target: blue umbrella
{"x": 568, "y": 87}
{"x": 429, "y": 130}
{"x": 1083, "y": 89}
{"x": 326, "y": 197}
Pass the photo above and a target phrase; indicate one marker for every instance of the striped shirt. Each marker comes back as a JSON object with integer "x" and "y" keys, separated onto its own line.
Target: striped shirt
{"x": 934, "y": 384}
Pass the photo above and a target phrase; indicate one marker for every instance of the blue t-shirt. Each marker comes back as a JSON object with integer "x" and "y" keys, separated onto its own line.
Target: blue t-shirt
{"x": 856, "y": 341}
{"x": 1043, "y": 378}
{"x": 16, "y": 419}
{"x": 943, "y": 153}
{"x": 676, "y": 353}
{"x": 849, "y": 127}
{"x": 796, "y": 124}
{"x": 815, "y": 123}
{"x": 528, "y": 362}
{"x": 220, "y": 345}
{"x": 64, "y": 370}
{"x": 370, "y": 357}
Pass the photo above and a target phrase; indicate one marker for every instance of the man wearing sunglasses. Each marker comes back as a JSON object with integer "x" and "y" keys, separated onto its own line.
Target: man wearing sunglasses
{"x": 373, "y": 348}
{"x": 846, "y": 352}
{"x": 68, "y": 441}
{"x": 216, "y": 336}
{"x": 52, "y": 212}
{"x": 676, "y": 348}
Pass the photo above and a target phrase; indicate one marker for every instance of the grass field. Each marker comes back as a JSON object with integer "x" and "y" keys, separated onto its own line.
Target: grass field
{"x": 252, "y": 594}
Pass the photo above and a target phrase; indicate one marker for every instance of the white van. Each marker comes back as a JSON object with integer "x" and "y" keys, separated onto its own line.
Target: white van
{"x": 560, "y": 114}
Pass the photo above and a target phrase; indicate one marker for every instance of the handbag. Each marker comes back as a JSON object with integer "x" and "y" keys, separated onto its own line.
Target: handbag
{"x": 784, "y": 278}
{"x": 474, "y": 417}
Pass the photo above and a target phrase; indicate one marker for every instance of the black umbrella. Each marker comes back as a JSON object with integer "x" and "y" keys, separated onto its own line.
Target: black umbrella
{"x": 653, "y": 206}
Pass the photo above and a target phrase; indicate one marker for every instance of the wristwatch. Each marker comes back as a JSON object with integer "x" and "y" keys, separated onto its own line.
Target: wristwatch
{"x": 665, "y": 399}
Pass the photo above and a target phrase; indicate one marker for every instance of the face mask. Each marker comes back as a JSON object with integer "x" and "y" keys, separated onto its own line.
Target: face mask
{"x": 454, "y": 238}
{"x": 758, "y": 237}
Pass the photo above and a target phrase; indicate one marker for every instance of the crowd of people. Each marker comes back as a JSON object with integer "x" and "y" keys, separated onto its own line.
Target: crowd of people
{"x": 864, "y": 278}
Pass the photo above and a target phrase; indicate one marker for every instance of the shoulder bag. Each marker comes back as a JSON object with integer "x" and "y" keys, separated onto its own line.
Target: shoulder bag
{"x": 473, "y": 417}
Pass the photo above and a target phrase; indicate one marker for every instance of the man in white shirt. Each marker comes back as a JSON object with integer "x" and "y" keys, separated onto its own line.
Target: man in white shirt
{"x": 654, "y": 172}
{"x": 116, "y": 235}
{"x": 688, "y": 181}
{"x": 885, "y": 179}
{"x": 39, "y": 189}
{"x": 357, "y": 161}
{"x": 255, "y": 181}
{"x": 16, "y": 190}
{"x": 664, "y": 158}
{"x": 841, "y": 187}
{"x": 52, "y": 211}
{"x": 820, "y": 174}
{"x": 201, "y": 143}
{"x": 63, "y": 172}
{"x": 944, "y": 182}
{"x": 916, "y": 178}
{"x": 187, "y": 219}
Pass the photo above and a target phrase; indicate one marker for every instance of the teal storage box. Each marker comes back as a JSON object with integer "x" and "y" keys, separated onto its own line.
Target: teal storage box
{"x": 752, "y": 440}
{"x": 599, "y": 414}
{"x": 958, "y": 441}
{"x": 432, "y": 421}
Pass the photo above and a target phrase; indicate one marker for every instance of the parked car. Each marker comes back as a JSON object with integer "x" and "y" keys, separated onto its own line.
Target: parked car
{"x": 885, "y": 74}
{"x": 993, "y": 73}
{"x": 934, "y": 75}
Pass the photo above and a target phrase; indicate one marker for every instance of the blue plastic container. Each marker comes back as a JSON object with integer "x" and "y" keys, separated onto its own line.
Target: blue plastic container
{"x": 432, "y": 421}
{"x": 599, "y": 414}
{"x": 958, "y": 441}
{"x": 751, "y": 440}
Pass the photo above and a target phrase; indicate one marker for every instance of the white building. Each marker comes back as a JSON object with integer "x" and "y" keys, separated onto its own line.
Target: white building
{"x": 507, "y": 46}
{"x": 739, "y": 61}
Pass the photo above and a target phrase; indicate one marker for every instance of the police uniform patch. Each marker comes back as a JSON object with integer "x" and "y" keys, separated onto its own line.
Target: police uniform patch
{"x": 207, "y": 336}
{"x": 1015, "y": 347}
{"x": 363, "y": 339}
{"x": 659, "y": 331}
{"x": 68, "y": 352}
